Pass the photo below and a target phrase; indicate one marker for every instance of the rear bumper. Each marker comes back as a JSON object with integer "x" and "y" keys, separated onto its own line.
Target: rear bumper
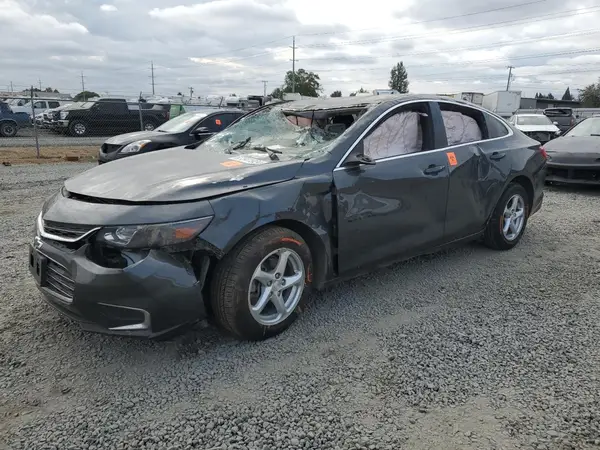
{"x": 157, "y": 294}
{"x": 570, "y": 174}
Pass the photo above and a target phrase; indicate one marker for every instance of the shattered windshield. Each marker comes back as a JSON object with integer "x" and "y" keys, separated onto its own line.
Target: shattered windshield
{"x": 297, "y": 134}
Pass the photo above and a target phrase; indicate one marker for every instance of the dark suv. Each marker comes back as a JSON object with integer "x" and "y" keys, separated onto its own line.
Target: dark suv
{"x": 563, "y": 118}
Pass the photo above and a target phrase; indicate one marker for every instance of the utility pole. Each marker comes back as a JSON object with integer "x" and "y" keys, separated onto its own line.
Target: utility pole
{"x": 264, "y": 82}
{"x": 152, "y": 75}
{"x": 191, "y": 93}
{"x": 11, "y": 88}
{"x": 82, "y": 85}
{"x": 293, "y": 64}
{"x": 510, "y": 68}
{"x": 40, "y": 82}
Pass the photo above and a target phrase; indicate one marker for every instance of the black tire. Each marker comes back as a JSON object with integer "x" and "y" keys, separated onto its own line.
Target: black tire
{"x": 78, "y": 128}
{"x": 8, "y": 129}
{"x": 494, "y": 236}
{"x": 149, "y": 125}
{"x": 230, "y": 287}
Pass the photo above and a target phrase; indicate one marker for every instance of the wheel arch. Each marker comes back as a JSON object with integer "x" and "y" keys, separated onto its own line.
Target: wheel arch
{"x": 527, "y": 184}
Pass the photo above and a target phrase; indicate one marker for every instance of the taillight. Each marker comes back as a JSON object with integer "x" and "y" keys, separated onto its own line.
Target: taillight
{"x": 543, "y": 152}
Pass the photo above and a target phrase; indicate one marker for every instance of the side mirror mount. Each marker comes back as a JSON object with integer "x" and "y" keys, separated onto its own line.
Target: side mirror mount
{"x": 359, "y": 159}
{"x": 201, "y": 130}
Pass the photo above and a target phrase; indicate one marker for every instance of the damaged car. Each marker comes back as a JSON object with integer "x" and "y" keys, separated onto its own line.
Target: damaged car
{"x": 291, "y": 197}
{"x": 536, "y": 126}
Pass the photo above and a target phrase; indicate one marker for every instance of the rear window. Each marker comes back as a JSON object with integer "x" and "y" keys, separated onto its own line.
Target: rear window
{"x": 558, "y": 112}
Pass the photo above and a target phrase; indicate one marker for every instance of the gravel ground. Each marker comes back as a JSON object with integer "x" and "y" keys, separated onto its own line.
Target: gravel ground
{"x": 469, "y": 349}
{"x": 47, "y": 138}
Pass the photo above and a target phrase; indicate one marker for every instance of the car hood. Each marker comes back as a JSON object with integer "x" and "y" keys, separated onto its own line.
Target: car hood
{"x": 574, "y": 150}
{"x": 179, "y": 175}
{"x": 545, "y": 128}
{"x": 128, "y": 138}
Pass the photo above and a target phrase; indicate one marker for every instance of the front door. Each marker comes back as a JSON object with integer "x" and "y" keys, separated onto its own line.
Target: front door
{"x": 396, "y": 207}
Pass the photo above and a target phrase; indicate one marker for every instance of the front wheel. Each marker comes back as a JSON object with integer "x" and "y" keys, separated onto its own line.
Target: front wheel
{"x": 8, "y": 129}
{"x": 509, "y": 219}
{"x": 149, "y": 126}
{"x": 259, "y": 288}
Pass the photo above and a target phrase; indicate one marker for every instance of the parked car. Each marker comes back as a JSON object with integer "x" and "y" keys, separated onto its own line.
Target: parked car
{"x": 50, "y": 116}
{"x": 536, "y": 126}
{"x": 290, "y": 197}
{"x": 10, "y": 122}
{"x": 184, "y": 129}
{"x": 110, "y": 116}
{"x": 575, "y": 156}
{"x": 563, "y": 118}
{"x": 39, "y": 106}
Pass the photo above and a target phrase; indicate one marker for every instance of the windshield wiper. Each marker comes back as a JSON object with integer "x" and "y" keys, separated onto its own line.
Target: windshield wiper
{"x": 239, "y": 145}
{"x": 272, "y": 153}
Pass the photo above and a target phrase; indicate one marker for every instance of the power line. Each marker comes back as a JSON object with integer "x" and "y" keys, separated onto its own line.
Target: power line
{"x": 458, "y": 16}
{"x": 487, "y": 26}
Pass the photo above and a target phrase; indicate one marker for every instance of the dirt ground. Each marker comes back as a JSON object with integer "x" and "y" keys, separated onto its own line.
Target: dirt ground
{"x": 48, "y": 155}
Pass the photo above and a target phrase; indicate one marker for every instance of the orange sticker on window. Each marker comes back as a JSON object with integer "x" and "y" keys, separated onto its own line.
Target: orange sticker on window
{"x": 218, "y": 121}
{"x": 452, "y": 158}
{"x": 231, "y": 164}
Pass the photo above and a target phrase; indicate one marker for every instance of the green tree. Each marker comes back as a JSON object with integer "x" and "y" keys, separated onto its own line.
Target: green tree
{"x": 550, "y": 96}
{"x": 589, "y": 96}
{"x": 399, "y": 78}
{"x": 84, "y": 95}
{"x": 360, "y": 91}
{"x": 336, "y": 94}
{"x": 567, "y": 95}
{"x": 304, "y": 83}
{"x": 277, "y": 93}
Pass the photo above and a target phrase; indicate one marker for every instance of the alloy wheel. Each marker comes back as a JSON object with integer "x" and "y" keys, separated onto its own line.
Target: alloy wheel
{"x": 513, "y": 217}
{"x": 276, "y": 287}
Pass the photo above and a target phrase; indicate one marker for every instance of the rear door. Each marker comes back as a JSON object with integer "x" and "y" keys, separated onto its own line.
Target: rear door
{"x": 478, "y": 164}
{"x": 398, "y": 205}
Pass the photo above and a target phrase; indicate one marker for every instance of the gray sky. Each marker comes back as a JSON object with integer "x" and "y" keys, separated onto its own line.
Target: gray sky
{"x": 227, "y": 46}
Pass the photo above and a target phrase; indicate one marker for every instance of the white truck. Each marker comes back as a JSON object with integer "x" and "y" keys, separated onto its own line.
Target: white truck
{"x": 472, "y": 97}
{"x": 503, "y": 103}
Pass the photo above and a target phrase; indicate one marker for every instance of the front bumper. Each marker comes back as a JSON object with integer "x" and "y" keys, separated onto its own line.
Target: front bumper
{"x": 573, "y": 174}
{"x": 157, "y": 294}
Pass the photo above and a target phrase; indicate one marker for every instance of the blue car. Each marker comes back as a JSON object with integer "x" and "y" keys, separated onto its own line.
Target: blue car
{"x": 10, "y": 122}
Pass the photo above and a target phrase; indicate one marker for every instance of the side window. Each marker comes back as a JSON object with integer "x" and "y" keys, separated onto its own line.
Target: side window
{"x": 215, "y": 123}
{"x": 53, "y": 104}
{"x": 463, "y": 124}
{"x": 404, "y": 132}
{"x": 496, "y": 128}
{"x": 39, "y": 105}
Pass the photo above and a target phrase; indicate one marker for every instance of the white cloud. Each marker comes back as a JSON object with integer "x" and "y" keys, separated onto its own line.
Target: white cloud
{"x": 224, "y": 46}
{"x": 108, "y": 8}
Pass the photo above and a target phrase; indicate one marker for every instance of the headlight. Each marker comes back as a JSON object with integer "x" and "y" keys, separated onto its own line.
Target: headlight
{"x": 64, "y": 114}
{"x": 135, "y": 147}
{"x": 154, "y": 235}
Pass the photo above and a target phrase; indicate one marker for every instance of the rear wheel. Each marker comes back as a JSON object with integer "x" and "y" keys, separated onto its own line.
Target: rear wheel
{"x": 259, "y": 288}
{"x": 509, "y": 219}
{"x": 78, "y": 128}
{"x": 149, "y": 125}
{"x": 8, "y": 129}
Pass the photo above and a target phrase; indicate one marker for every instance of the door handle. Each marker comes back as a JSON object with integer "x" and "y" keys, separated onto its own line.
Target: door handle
{"x": 433, "y": 169}
{"x": 498, "y": 155}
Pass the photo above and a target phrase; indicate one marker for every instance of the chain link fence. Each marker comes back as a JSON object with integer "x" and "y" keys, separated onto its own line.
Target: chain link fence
{"x": 44, "y": 127}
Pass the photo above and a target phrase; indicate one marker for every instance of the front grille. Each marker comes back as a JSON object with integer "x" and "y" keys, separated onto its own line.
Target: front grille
{"x": 58, "y": 279}
{"x": 539, "y": 136}
{"x": 110, "y": 148}
{"x": 68, "y": 231}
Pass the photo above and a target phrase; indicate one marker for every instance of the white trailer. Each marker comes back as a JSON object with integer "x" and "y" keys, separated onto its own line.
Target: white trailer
{"x": 472, "y": 97}
{"x": 503, "y": 103}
